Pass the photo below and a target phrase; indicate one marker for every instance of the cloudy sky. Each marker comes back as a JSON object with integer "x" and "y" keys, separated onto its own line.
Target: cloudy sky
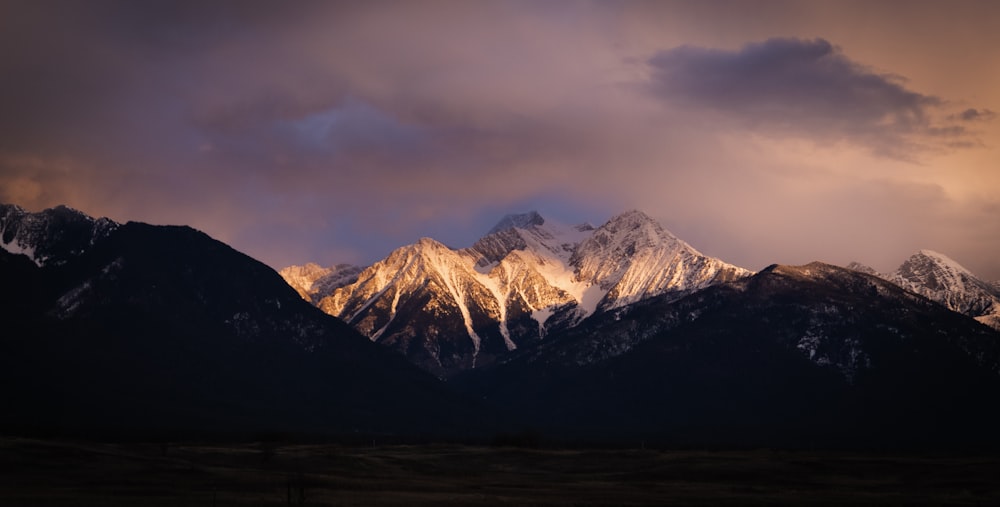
{"x": 758, "y": 131}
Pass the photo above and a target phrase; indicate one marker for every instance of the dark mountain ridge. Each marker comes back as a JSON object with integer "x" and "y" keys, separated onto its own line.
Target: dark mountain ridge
{"x": 157, "y": 328}
{"x": 812, "y": 355}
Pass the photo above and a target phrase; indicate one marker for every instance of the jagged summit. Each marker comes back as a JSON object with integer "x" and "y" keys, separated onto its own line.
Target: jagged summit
{"x": 935, "y": 271}
{"x": 944, "y": 280}
{"x": 930, "y": 264}
{"x": 628, "y": 232}
{"x": 632, "y": 257}
{"x": 520, "y": 220}
{"x": 632, "y": 217}
{"x": 543, "y": 237}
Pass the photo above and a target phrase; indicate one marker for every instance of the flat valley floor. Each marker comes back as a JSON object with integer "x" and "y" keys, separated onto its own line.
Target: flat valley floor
{"x": 38, "y": 472}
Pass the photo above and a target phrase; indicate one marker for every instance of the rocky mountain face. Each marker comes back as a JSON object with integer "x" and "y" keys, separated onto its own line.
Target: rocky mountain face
{"x": 794, "y": 355}
{"x": 451, "y": 310}
{"x": 149, "y": 328}
{"x": 939, "y": 278}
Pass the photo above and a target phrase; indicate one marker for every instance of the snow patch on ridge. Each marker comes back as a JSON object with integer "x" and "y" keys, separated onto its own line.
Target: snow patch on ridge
{"x": 15, "y": 247}
{"x": 541, "y": 315}
{"x": 562, "y": 276}
{"x": 501, "y": 298}
{"x": 392, "y": 316}
{"x": 463, "y": 308}
{"x": 51, "y": 236}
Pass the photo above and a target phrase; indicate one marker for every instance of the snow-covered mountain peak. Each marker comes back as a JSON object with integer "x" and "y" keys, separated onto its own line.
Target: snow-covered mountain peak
{"x": 938, "y": 259}
{"x": 942, "y": 279}
{"x": 518, "y": 220}
{"x": 936, "y": 271}
{"x": 426, "y": 243}
{"x": 632, "y": 220}
{"x": 529, "y": 232}
{"x": 633, "y": 257}
{"x": 632, "y": 216}
{"x": 622, "y": 237}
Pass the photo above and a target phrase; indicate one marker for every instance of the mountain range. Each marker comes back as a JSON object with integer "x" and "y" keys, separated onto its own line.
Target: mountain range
{"x": 619, "y": 333}
{"x": 450, "y": 310}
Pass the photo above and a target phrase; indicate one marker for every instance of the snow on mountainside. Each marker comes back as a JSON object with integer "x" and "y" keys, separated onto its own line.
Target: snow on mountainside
{"x": 451, "y": 309}
{"x": 51, "y": 236}
{"x": 942, "y": 279}
{"x": 419, "y": 298}
{"x": 313, "y": 282}
{"x": 632, "y": 257}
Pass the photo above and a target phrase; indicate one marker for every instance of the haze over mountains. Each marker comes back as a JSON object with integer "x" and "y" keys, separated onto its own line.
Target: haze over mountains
{"x": 616, "y": 333}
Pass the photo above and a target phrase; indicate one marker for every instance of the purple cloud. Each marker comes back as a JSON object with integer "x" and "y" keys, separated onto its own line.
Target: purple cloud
{"x": 803, "y": 88}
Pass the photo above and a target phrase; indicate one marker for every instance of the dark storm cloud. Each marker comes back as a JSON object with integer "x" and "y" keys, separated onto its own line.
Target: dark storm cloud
{"x": 800, "y": 87}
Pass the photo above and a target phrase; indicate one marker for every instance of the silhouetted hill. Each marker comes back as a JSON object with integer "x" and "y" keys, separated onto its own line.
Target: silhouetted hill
{"x": 163, "y": 328}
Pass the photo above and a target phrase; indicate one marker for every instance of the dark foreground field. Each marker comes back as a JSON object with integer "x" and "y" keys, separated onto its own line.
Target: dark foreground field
{"x": 60, "y": 473}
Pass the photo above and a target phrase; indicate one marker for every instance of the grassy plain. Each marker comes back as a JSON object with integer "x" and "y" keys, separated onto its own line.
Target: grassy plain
{"x": 38, "y": 472}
